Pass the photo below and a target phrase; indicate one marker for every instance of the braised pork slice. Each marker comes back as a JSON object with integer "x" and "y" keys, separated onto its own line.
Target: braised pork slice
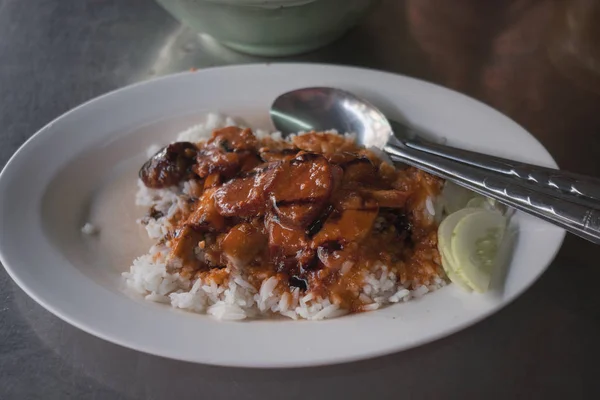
{"x": 183, "y": 251}
{"x": 324, "y": 143}
{"x": 358, "y": 170}
{"x": 245, "y": 196}
{"x": 387, "y": 198}
{"x": 301, "y": 189}
{"x": 206, "y": 216}
{"x": 350, "y": 221}
{"x": 243, "y": 243}
{"x": 204, "y": 219}
{"x": 229, "y": 151}
{"x": 169, "y": 166}
{"x": 268, "y": 155}
{"x": 288, "y": 247}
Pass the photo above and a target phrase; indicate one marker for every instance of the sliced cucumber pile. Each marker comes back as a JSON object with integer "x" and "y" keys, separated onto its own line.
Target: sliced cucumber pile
{"x": 455, "y": 197}
{"x": 469, "y": 240}
{"x": 480, "y": 202}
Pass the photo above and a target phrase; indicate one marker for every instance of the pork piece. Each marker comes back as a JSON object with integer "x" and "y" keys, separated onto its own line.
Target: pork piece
{"x": 243, "y": 243}
{"x": 387, "y": 198}
{"x": 212, "y": 180}
{"x": 337, "y": 173}
{"x": 361, "y": 177}
{"x": 351, "y": 221}
{"x": 333, "y": 255}
{"x": 341, "y": 158}
{"x": 289, "y": 247}
{"x": 301, "y": 189}
{"x": 318, "y": 223}
{"x": 268, "y": 155}
{"x": 183, "y": 251}
{"x": 233, "y": 138}
{"x": 245, "y": 196}
{"x": 346, "y": 226}
{"x": 326, "y": 143}
{"x": 205, "y": 218}
{"x": 230, "y": 151}
{"x": 169, "y": 166}
{"x": 350, "y": 199}
{"x": 359, "y": 170}
{"x": 356, "y": 170}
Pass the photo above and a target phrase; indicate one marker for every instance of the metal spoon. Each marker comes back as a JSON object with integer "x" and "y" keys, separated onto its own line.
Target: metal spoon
{"x": 565, "y": 199}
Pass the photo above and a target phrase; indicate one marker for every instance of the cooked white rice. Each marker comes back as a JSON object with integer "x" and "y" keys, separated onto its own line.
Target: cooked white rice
{"x": 237, "y": 299}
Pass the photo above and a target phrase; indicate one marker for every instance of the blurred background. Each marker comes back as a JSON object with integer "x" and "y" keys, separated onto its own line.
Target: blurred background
{"x": 538, "y": 61}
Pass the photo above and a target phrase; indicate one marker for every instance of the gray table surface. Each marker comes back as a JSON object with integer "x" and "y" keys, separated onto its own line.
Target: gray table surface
{"x": 55, "y": 54}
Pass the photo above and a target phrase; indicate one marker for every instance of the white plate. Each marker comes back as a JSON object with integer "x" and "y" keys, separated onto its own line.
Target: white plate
{"x": 83, "y": 166}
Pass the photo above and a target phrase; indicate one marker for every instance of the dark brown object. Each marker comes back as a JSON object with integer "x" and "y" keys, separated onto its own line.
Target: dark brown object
{"x": 301, "y": 189}
{"x": 169, "y": 166}
{"x": 230, "y": 150}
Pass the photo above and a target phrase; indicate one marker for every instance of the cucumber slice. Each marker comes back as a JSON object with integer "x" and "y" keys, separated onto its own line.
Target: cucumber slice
{"x": 479, "y": 202}
{"x": 454, "y": 277}
{"x": 445, "y": 232}
{"x": 474, "y": 247}
{"x": 487, "y": 204}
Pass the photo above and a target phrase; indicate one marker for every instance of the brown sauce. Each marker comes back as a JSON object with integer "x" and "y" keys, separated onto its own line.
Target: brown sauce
{"x": 319, "y": 212}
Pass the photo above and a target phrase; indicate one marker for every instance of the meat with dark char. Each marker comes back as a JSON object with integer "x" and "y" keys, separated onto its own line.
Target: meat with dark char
{"x": 327, "y": 144}
{"x": 169, "y": 166}
{"x": 234, "y": 139}
{"x": 244, "y": 242}
{"x": 358, "y": 170}
{"x": 229, "y": 151}
{"x": 204, "y": 219}
{"x": 245, "y": 196}
{"x": 268, "y": 155}
{"x": 351, "y": 221}
{"x": 301, "y": 189}
{"x": 387, "y": 198}
{"x": 206, "y": 216}
{"x": 289, "y": 248}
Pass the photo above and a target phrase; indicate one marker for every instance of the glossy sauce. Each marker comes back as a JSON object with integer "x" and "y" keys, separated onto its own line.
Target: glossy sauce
{"x": 318, "y": 212}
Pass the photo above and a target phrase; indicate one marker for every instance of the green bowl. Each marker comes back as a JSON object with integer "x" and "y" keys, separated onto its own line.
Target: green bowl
{"x": 270, "y": 27}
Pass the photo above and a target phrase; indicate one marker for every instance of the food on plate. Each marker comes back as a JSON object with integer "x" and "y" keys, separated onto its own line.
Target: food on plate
{"x": 470, "y": 238}
{"x": 315, "y": 226}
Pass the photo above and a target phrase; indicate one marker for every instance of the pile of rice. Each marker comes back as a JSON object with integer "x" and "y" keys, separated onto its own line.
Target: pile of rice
{"x": 236, "y": 298}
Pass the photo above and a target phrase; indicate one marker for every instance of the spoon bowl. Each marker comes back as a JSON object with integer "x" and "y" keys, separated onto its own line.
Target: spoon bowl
{"x": 323, "y": 109}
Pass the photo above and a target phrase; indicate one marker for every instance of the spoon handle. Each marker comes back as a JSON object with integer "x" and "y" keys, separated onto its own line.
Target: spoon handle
{"x": 567, "y": 183}
{"x": 575, "y": 218}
